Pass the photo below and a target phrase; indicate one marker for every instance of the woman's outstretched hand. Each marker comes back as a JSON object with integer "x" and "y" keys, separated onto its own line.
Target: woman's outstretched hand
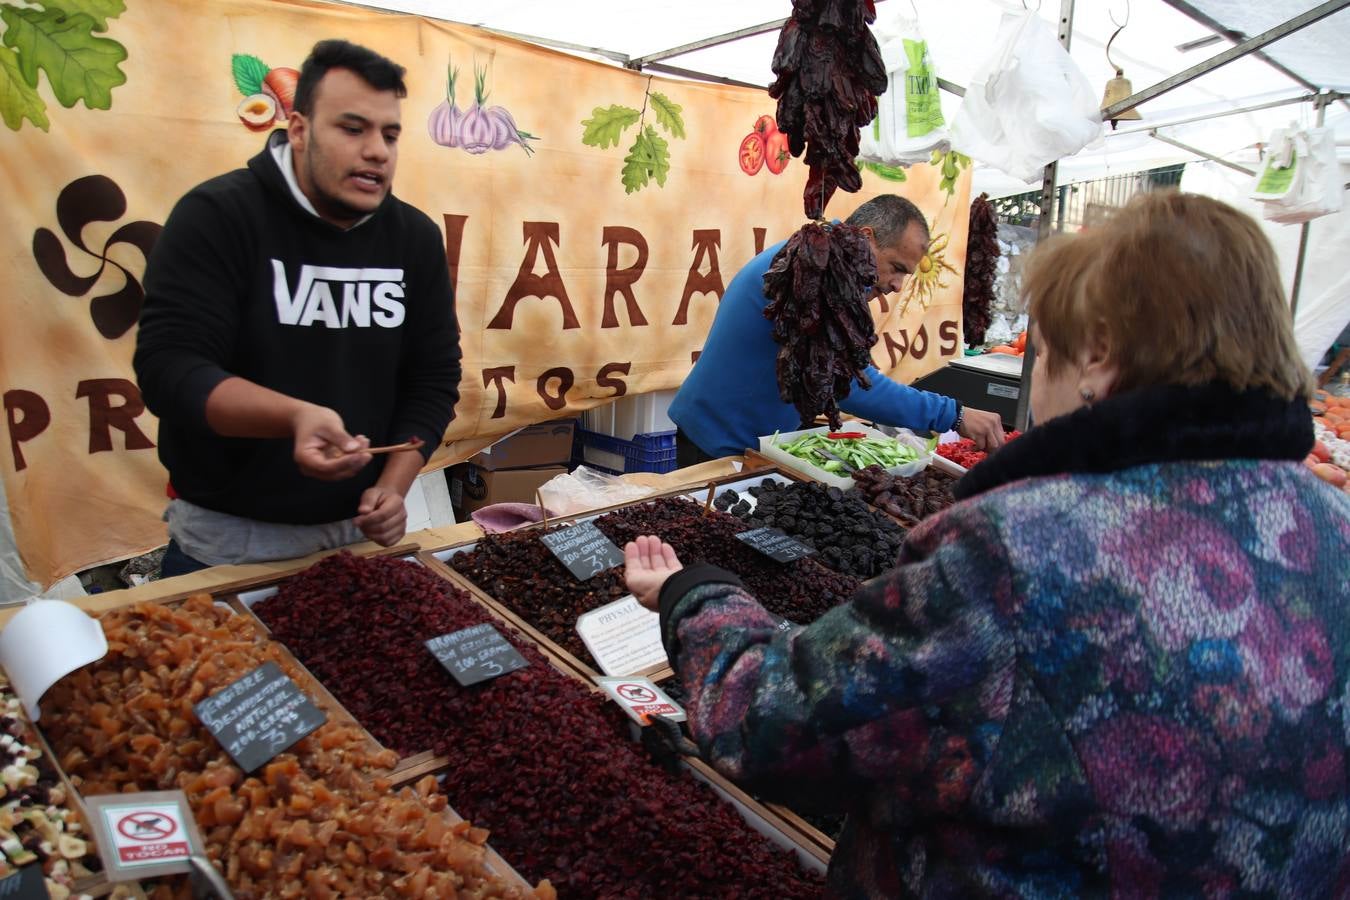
{"x": 648, "y": 562}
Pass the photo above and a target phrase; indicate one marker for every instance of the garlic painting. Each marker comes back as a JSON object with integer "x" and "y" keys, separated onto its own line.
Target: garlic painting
{"x": 479, "y": 128}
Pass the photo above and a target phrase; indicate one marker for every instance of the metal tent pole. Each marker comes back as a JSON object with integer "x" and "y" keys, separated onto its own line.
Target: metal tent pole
{"x": 1237, "y": 37}
{"x": 1241, "y": 110}
{"x": 1321, "y": 104}
{"x": 1303, "y": 20}
{"x": 1200, "y": 153}
{"x": 1023, "y": 414}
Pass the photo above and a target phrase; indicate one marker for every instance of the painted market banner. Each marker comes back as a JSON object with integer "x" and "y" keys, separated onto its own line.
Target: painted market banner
{"x": 592, "y": 218}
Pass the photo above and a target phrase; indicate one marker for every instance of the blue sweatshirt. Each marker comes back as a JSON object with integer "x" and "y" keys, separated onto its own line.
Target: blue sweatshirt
{"x": 731, "y": 396}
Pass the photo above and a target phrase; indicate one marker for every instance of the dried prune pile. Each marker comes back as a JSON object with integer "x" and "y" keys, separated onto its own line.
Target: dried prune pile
{"x": 522, "y": 574}
{"x": 799, "y": 591}
{"x": 817, "y": 286}
{"x": 829, "y": 75}
{"x": 910, "y": 499}
{"x": 982, "y": 255}
{"x": 319, "y": 820}
{"x": 537, "y": 758}
{"x": 850, "y": 537}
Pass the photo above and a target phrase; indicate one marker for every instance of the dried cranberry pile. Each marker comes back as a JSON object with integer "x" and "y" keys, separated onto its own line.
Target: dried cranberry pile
{"x": 518, "y": 571}
{"x": 818, "y": 285}
{"x": 850, "y": 537}
{"x": 830, "y": 73}
{"x": 982, "y": 255}
{"x": 800, "y": 591}
{"x": 910, "y": 499}
{"x": 538, "y": 759}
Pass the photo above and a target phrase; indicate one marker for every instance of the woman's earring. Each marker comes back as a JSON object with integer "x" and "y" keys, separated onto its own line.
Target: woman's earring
{"x": 1087, "y": 395}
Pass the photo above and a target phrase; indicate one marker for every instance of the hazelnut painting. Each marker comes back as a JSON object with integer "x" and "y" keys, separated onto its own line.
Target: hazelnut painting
{"x": 269, "y": 94}
{"x": 279, "y": 84}
{"x": 257, "y": 111}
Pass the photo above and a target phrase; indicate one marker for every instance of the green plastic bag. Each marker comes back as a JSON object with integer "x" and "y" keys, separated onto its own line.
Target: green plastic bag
{"x": 923, "y": 107}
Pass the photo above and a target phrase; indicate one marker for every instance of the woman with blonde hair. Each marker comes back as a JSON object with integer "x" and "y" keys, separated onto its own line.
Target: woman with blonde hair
{"x": 1120, "y": 664}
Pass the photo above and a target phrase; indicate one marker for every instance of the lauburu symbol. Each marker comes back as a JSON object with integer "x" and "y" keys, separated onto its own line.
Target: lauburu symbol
{"x": 95, "y": 198}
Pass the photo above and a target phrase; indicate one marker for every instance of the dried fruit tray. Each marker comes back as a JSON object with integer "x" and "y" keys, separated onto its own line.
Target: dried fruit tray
{"x": 42, "y": 821}
{"x": 411, "y": 766}
{"x": 516, "y": 576}
{"x": 538, "y": 757}
{"x": 775, "y": 822}
{"x": 820, "y": 844}
{"x": 112, "y": 730}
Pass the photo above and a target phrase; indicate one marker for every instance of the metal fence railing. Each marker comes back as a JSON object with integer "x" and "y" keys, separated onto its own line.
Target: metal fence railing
{"x": 1086, "y": 203}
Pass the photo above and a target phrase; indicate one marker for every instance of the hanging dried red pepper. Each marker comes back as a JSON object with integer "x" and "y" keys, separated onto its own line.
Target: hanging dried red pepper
{"x": 830, "y": 74}
{"x": 982, "y": 255}
{"x": 817, "y": 287}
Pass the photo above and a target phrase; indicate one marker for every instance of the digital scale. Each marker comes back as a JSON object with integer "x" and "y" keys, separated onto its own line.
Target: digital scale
{"x": 991, "y": 381}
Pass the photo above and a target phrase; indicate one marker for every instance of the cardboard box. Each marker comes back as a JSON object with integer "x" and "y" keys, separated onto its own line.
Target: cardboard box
{"x": 545, "y": 444}
{"x": 473, "y": 487}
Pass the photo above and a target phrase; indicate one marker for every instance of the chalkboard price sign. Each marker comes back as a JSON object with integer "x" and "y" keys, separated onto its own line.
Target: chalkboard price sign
{"x": 475, "y": 654}
{"x": 259, "y": 716}
{"x": 775, "y": 545}
{"x": 26, "y": 884}
{"x": 584, "y": 549}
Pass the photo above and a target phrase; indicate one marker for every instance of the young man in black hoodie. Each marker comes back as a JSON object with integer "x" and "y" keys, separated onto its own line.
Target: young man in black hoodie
{"x": 295, "y": 312}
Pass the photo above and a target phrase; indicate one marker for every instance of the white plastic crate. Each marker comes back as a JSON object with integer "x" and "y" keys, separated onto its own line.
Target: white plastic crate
{"x": 636, "y": 414}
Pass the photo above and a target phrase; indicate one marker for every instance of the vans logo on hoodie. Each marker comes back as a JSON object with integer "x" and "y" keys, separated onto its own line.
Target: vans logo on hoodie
{"x": 339, "y": 298}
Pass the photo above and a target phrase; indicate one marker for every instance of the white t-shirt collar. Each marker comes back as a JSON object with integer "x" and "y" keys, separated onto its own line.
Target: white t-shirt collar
{"x": 285, "y": 159}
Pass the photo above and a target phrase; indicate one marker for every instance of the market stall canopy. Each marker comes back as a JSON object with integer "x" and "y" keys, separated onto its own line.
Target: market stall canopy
{"x": 1158, "y": 41}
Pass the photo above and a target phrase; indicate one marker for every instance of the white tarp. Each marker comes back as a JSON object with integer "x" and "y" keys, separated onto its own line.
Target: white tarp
{"x": 960, "y": 33}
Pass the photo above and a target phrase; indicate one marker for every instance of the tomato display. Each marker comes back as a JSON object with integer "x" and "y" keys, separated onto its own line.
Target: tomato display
{"x": 963, "y": 452}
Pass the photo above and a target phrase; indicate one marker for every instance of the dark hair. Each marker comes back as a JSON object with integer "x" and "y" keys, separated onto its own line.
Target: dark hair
{"x": 379, "y": 72}
{"x": 888, "y": 216}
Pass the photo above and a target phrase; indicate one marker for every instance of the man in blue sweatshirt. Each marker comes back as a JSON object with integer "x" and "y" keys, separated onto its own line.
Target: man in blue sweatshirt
{"x": 296, "y": 311}
{"x": 731, "y": 396}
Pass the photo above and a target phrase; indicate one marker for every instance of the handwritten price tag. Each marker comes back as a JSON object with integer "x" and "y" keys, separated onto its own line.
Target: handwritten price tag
{"x": 475, "y": 654}
{"x": 775, "y": 545}
{"x": 259, "y": 716}
{"x": 584, "y": 549}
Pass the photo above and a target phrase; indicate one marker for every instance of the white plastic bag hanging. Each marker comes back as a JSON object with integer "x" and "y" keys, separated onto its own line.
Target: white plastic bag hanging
{"x": 1300, "y": 177}
{"x": 1028, "y": 104}
{"x": 909, "y": 125}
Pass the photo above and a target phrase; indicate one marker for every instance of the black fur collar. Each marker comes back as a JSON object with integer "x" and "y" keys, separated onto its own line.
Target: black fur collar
{"x": 1151, "y": 425}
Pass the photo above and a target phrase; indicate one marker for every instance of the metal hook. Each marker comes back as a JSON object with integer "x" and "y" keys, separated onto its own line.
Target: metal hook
{"x": 1120, "y": 26}
{"x": 1110, "y": 12}
{"x": 1028, "y": 8}
{"x": 1110, "y": 61}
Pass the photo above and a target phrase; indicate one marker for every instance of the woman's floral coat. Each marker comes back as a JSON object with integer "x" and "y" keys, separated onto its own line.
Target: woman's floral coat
{"x": 1130, "y": 683}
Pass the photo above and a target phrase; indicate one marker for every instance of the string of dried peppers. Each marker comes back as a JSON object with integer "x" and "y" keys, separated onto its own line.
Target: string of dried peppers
{"x": 830, "y": 73}
{"x": 982, "y": 255}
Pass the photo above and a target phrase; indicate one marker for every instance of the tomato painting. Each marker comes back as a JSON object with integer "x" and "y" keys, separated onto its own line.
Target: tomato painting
{"x": 752, "y": 153}
{"x": 766, "y": 126}
{"x": 776, "y": 154}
